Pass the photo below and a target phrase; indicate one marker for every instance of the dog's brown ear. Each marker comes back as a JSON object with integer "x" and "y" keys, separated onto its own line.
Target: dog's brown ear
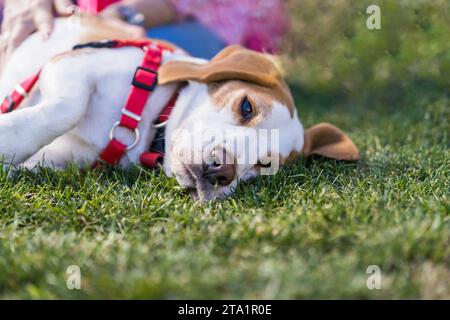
{"x": 329, "y": 141}
{"x": 232, "y": 63}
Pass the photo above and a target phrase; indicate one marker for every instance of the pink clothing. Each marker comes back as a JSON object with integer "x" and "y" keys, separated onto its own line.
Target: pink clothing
{"x": 256, "y": 24}
{"x": 94, "y": 6}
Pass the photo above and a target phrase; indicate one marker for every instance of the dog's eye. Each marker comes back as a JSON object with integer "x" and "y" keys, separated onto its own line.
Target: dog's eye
{"x": 246, "y": 109}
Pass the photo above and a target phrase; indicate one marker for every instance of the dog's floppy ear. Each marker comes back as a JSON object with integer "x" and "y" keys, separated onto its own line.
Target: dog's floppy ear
{"x": 232, "y": 63}
{"x": 329, "y": 141}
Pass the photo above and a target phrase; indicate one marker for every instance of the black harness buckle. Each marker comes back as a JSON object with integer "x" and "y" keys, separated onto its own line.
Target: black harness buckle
{"x": 11, "y": 104}
{"x": 145, "y": 86}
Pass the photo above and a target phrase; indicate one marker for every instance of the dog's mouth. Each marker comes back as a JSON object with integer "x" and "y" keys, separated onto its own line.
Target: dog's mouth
{"x": 200, "y": 194}
{"x": 194, "y": 194}
{"x": 200, "y": 189}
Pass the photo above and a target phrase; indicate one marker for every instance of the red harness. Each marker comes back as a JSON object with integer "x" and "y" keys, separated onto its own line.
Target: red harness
{"x": 143, "y": 84}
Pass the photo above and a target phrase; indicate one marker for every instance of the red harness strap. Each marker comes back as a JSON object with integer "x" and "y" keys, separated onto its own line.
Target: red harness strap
{"x": 143, "y": 84}
{"x": 155, "y": 157}
{"x": 21, "y": 91}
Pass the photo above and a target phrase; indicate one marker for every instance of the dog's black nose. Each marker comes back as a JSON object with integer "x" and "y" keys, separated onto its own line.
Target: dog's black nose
{"x": 219, "y": 174}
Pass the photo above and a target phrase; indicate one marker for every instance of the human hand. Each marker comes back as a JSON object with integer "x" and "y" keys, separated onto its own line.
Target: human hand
{"x": 23, "y": 17}
{"x": 148, "y": 13}
{"x": 115, "y": 15}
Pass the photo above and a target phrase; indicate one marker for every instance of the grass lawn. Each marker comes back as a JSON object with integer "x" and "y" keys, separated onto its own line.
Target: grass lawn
{"x": 309, "y": 232}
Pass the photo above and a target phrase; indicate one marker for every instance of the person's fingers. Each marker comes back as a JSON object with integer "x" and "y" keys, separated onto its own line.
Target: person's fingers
{"x": 63, "y": 7}
{"x": 111, "y": 12}
{"x": 43, "y": 18}
{"x": 7, "y": 23}
{"x": 5, "y": 32}
{"x": 4, "y": 37}
{"x": 136, "y": 31}
{"x": 133, "y": 31}
{"x": 15, "y": 38}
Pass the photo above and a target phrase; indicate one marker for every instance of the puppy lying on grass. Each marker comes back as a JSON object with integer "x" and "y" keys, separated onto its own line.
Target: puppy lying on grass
{"x": 234, "y": 117}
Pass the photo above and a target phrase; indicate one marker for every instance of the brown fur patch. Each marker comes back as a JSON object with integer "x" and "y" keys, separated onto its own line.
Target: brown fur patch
{"x": 69, "y": 54}
{"x": 233, "y": 92}
{"x": 99, "y": 29}
{"x": 232, "y": 63}
{"x": 328, "y": 141}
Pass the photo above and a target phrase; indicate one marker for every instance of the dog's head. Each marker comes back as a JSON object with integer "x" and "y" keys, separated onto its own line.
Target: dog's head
{"x": 237, "y": 120}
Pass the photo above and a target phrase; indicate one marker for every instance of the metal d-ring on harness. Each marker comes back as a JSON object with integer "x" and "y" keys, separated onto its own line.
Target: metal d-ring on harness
{"x": 144, "y": 82}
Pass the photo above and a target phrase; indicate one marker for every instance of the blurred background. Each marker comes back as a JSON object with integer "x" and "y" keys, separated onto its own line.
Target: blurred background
{"x": 331, "y": 52}
{"x": 327, "y": 47}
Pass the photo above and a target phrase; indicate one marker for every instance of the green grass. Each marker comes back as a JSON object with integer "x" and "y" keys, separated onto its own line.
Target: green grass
{"x": 309, "y": 232}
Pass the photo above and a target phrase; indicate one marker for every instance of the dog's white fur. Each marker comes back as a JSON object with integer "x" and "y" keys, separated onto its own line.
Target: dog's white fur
{"x": 80, "y": 97}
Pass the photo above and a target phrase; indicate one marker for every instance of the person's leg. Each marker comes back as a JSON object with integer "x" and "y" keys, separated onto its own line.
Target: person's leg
{"x": 192, "y": 36}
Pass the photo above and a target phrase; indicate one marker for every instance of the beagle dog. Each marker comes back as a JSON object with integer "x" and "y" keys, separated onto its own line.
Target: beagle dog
{"x": 239, "y": 95}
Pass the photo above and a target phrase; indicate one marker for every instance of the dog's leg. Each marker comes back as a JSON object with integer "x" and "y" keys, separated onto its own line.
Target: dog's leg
{"x": 26, "y": 131}
{"x": 64, "y": 102}
{"x": 67, "y": 148}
